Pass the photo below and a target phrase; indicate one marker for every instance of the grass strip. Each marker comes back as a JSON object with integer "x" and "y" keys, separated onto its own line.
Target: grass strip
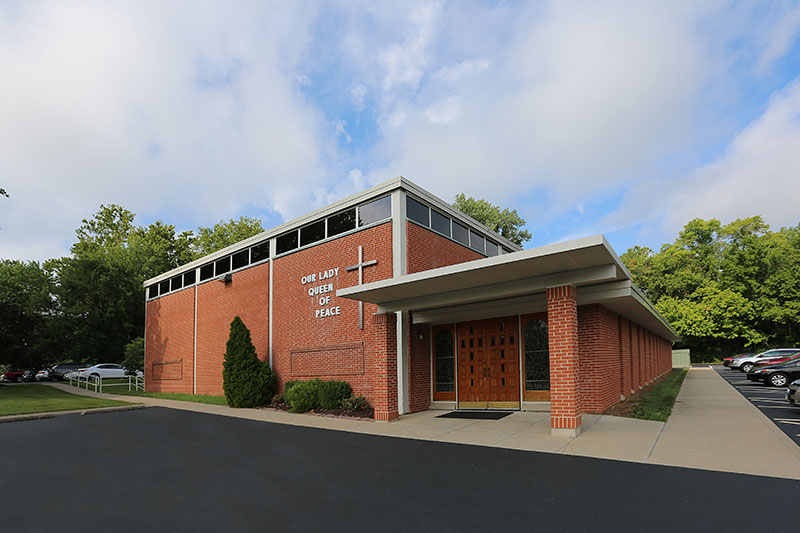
{"x": 32, "y": 398}
{"x": 656, "y": 404}
{"x": 197, "y": 398}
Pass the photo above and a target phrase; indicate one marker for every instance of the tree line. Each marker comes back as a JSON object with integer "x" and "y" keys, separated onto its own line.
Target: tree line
{"x": 89, "y": 305}
{"x": 725, "y": 288}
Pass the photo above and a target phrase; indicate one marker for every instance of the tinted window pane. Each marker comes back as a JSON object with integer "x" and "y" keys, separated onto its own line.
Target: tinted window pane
{"x": 241, "y": 259}
{"x": 476, "y": 240}
{"x": 163, "y": 287}
{"x": 176, "y": 282}
{"x": 416, "y": 211}
{"x": 341, "y": 222}
{"x": 259, "y": 252}
{"x": 537, "y": 356}
{"x": 443, "y": 353}
{"x": 491, "y": 248}
{"x": 286, "y": 242}
{"x": 440, "y": 223}
{"x": 506, "y": 251}
{"x": 189, "y": 278}
{"x": 312, "y": 233}
{"x": 152, "y": 291}
{"x": 374, "y": 211}
{"x": 460, "y": 233}
{"x": 223, "y": 265}
{"x": 206, "y": 271}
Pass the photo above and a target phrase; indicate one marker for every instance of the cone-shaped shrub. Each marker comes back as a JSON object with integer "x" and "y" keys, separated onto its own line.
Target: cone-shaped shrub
{"x": 247, "y": 381}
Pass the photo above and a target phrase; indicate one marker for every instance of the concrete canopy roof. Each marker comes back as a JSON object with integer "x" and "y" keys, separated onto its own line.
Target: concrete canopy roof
{"x": 516, "y": 283}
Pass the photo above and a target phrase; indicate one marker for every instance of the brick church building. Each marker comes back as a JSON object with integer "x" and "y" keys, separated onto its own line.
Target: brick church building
{"x": 418, "y": 307}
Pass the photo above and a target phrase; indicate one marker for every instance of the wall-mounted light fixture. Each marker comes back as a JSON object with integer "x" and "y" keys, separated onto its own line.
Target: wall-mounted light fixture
{"x": 225, "y": 278}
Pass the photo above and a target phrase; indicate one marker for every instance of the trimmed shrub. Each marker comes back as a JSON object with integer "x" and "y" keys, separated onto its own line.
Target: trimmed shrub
{"x": 355, "y": 403}
{"x": 331, "y": 393}
{"x": 246, "y": 380}
{"x": 289, "y": 384}
{"x": 303, "y": 396}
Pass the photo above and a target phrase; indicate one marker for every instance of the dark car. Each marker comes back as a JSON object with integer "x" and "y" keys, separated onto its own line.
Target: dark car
{"x": 58, "y": 371}
{"x": 30, "y": 375}
{"x": 778, "y": 375}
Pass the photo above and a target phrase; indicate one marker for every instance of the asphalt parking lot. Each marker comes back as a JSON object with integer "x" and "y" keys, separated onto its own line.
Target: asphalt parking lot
{"x": 169, "y": 470}
{"x": 770, "y": 400}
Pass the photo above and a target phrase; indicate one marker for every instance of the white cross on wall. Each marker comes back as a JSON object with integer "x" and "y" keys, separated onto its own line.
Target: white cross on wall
{"x": 361, "y": 266}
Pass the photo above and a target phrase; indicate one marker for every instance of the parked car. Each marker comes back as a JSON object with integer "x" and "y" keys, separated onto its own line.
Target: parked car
{"x": 13, "y": 376}
{"x": 791, "y": 393}
{"x": 58, "y": 371}
{"x": 727, "y": 360}
{"x": 43, "y": 375}
{"x": 792, "y": 357}
{"x": 776, "y": 375}
{"x": 29, "y": 375}
{"x": 746, "y": 363}
{"x": 106, "y": 370}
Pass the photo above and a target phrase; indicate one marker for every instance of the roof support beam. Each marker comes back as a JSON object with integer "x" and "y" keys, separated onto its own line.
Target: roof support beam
{"x": 597, "y": 274}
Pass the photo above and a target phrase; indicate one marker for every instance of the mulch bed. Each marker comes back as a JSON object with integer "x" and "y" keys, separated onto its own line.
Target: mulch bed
{"x": 362, "y": 414}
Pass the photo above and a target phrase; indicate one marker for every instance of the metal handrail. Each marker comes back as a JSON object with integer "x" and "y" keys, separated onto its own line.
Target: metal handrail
{"x": 134, "y": 382}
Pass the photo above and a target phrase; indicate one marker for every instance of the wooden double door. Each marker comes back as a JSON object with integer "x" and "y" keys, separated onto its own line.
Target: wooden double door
{"x": 488, "y": 364}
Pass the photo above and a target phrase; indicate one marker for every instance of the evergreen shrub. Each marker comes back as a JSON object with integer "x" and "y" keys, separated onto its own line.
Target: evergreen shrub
{"x": 303, "y": 396}
{"x": 246, "y": 380}
{"x": 331, "y": 393}
{"x": 355, "y": 403}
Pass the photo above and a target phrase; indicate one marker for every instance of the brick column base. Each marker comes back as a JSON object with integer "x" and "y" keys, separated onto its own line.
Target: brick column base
{"x": 385, "y": 387}
{"x": 562, "y": 325}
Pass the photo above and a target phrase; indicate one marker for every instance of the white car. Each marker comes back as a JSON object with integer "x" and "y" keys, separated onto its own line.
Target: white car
{"x": 42, "y": 375}
{"x": 746, "y": 363}
{"x": 104, "y": 370}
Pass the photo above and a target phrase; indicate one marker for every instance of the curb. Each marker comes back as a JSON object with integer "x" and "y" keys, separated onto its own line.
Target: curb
{"x": 53, "y": 414}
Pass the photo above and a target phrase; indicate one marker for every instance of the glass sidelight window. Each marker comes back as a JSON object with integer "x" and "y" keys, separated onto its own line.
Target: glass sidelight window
{"x": 443, "y": 362}
{"x": 537, "y": 356}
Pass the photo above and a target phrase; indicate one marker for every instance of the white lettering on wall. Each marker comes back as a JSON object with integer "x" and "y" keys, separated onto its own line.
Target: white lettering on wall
{"x": 319, "y": 292}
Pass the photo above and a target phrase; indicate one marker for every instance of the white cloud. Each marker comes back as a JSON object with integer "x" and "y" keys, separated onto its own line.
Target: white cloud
{"x": 759, "y": 174}
{"x": 444, "y": 111}
{"x": 779, "y": 37}
{"x": 108, "y": 102}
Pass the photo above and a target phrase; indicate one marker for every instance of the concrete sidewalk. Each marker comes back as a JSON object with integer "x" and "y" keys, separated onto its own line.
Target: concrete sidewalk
{"x": 712, "y": 427}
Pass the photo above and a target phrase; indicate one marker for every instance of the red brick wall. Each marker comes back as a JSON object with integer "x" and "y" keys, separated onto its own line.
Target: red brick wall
{"x": 169, "y": 338}
{"x": 298, "y": 331}
{"x": 562, "y": 320}
{"x": 599, "y": 358}
{"x": 217, "y": 304}
{"x": 419, "y": 362}
{"x": 427, "y": 250}
{"x": 384, "y": 398}
{"x": 627, "y": 356}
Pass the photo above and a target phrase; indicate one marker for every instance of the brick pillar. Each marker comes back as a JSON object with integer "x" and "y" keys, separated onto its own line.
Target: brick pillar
{"x": 625, "y": 348}
{"x": 562, "y": 318}
{"x": 385, "y": 386}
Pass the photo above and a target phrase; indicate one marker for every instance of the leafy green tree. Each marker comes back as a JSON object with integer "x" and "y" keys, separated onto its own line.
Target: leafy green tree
{"x": 725, "y": 288}
{"x": 134, "y": 355}
{"x": 99, "y": 287}
{"x": 224, "y": 234}
{"x": 246, "y": 380}
{"x": 506, "y": 222}
{"x": 26, "y": 311}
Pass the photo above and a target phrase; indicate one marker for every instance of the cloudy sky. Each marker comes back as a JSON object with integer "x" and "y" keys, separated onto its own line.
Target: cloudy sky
{"x": 623, "y": 118}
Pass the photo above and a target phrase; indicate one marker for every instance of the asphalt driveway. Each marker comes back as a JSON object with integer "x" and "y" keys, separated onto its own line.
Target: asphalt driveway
{"x": 168, "y": 470}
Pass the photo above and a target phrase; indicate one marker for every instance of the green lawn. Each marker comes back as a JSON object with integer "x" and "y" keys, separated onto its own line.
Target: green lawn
{"x": 31, "y": 398}
{"x": 214, "y": 400}
{"x": 657, "y": 403}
